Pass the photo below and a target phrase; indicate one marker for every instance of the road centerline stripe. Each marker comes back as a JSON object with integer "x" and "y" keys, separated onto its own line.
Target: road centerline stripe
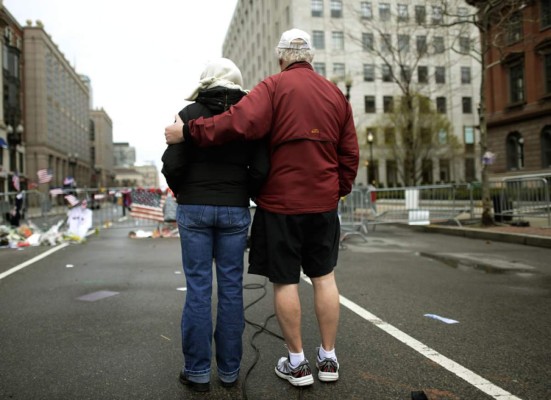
{"x": 467, "y": 375}
{"x": 32, "y": 260}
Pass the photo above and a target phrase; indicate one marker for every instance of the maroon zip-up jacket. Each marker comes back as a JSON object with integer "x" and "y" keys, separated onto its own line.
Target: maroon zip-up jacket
{"x": 313, "y": 144}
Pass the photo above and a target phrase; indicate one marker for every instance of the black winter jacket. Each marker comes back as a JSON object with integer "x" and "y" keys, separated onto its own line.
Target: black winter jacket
{"x": 227, "y": 174}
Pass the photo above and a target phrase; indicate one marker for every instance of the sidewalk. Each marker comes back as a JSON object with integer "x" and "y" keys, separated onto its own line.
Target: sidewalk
{"x": 530, "y": 235}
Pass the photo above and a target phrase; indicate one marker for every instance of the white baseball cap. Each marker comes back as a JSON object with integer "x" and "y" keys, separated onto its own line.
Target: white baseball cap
{"x": 292, "y": 35}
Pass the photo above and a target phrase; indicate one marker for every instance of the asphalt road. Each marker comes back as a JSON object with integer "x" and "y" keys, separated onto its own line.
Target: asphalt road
{"x": 55, "y": 344}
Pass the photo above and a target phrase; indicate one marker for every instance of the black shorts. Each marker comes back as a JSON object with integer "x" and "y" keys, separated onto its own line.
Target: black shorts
{"x": 281, "y": 244}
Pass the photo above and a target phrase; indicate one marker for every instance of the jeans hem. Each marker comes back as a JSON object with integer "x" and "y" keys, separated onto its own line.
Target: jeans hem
{"x": 198, "y": 376}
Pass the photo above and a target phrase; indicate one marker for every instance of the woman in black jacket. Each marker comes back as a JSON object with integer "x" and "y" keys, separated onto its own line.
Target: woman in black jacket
{"x": 213, "y": 186}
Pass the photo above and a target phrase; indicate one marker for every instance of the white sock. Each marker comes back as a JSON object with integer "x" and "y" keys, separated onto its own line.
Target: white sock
{"x": 323, "y": 354}
{"x": 296, "y": 358}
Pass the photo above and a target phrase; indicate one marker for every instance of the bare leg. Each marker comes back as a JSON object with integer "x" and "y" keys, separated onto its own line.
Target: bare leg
{"x": 287, "y": 309}
{"x": 326, "y": 298}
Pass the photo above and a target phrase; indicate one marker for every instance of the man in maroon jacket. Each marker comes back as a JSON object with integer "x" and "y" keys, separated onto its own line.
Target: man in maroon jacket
{"x": 314, "y": 160}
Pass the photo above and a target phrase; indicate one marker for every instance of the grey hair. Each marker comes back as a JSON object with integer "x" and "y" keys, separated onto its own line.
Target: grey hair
{"x": 295, "y": 55}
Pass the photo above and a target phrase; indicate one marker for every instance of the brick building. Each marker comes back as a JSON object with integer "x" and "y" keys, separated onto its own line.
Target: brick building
{"x": 518, "y": 88}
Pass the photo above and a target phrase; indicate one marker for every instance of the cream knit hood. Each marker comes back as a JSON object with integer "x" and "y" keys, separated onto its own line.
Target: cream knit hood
{"x": 220, "y": 72}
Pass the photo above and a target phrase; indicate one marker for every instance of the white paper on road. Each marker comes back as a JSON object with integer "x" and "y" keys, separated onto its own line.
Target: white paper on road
{"x": 445, "y": 320}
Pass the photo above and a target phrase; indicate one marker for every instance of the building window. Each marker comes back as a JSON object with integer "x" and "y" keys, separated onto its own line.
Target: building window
{"x": 405, "y": 73}
{"x": 366, "y": 10}
{"x": 421, "y": 42}
{"x": 470, "y": 169}
{"x": 468, "y": 139}
{"x": 384, "y": 11}
{"x": 422, "y": 74}
{"x": 386, "y": 73}
{"x": 514, "y": 28}
{"x": 467, "y": 105}
{"x": 547, "y": 72}
{"x": 389, "y": 136}
{"x": 462, "y": 14}
{"x": 369, "y": 72}
{"x": 336, "y": 8}
{"x": 515, "y": 151}
{"x": 442, "y": 136}
{"x": 319, "y": 67}
{"x": 339, "y": 71}
{"x": 465, "y": 75}
{"x": 516, "y": 82}
{"x": 420, "y": 15}
{"x": 438, "y": 43}
{"x": 337, "y": 40}
{"x": 441, "y": 106}
{"x": 388, "y": 104}
{"x": 317, "y": 8}
{"x": 546, "y": 147}
{"x": 440, "y": 74}
{"x": 444, "y": 170}
{"x": 545, "y": 13}
{"x": 367, "y": 41}
{"x": 403, "y": 43}
{"x": 369, "y": 104}
{"x": 403, "y": 15}
{"x": 437, "y": 15}
{"x": 386, "y": 43}
{"x": 464, "y": 45}
{"x": 318, "y": 39}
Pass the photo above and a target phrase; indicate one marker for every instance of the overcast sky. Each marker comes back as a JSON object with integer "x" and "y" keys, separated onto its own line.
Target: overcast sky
{"x": 143, "y": 58}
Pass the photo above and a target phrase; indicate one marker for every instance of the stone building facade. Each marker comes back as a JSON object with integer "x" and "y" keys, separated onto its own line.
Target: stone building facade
{"x": 349, "y": 36}
{"x": 57, "y": 111}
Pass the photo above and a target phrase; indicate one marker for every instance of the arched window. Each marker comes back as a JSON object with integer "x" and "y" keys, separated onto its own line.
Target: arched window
{"x": 515, "y": 151}
{"x": 546, "y": 147}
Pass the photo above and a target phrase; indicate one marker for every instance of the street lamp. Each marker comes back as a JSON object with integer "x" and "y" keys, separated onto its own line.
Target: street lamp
{"x": 14, "y": 139}
{"x": 348, "y": 85}
{"x": 370, "y": 142}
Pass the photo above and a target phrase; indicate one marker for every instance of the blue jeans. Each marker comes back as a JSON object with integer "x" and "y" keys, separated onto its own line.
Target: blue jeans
{"x": 207, "y": 233}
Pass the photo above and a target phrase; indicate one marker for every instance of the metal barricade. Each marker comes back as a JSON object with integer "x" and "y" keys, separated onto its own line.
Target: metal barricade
{"x": 422, "y": 205}
{"x": 522, "y": 198}
{"x": 352, "y": 215}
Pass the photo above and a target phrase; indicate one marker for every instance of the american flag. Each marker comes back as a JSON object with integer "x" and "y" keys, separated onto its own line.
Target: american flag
{"x": 56, "y": 191}
{"x": 44, "y": 175}
{"x": 72, "y": 200}
{"x": 69, "y": 180}
{"x": 147, "y": 205}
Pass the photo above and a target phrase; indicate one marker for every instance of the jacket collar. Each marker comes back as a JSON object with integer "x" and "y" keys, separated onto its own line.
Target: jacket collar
{"x": 299, "y": 64}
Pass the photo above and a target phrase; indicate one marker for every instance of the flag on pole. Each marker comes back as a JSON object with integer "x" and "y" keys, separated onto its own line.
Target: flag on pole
{"x": 56, "y": 191}
{"x": 147, "y": 205}
{"x": 16, "y": 182}
{"x": 72, "y": 200}
{"x": 68, "y": 181}
{"x": 44, "y": 175}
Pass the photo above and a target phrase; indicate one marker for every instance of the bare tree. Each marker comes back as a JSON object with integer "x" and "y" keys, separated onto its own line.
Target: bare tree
{"x": 497, "y": 22}
{"x": 413, "y": 126}
{"x": 401, "y": 43}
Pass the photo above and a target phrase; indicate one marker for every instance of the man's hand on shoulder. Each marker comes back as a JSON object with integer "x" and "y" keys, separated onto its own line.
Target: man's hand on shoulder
{"x": 175, "y": 133}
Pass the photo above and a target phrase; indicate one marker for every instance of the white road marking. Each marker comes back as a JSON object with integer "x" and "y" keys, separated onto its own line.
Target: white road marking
{"x": 32, "y": 260}
{"x": 467, "y": 375}
{"x": 182, "y": 289}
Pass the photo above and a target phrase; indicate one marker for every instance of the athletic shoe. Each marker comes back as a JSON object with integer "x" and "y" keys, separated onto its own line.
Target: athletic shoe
{"x": 299, "y": 376}
{"x": 328, "y": 369}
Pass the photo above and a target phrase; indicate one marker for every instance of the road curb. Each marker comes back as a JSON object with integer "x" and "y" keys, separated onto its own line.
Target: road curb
{"x": 528, "y": 240}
